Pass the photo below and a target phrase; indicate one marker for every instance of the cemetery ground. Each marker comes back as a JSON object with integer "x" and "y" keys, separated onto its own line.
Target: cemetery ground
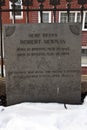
{"x": 40, "y": 116}
{"x": 43, "y": 116}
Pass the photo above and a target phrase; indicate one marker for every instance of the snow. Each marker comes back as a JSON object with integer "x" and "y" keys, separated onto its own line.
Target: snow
{"x": 43, "y": 116}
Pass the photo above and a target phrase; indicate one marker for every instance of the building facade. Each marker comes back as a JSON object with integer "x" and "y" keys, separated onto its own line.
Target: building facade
{"x": 75, "y": 15}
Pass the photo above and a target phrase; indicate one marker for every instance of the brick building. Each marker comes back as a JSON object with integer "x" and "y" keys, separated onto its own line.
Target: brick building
{"x": 48, "y": 17}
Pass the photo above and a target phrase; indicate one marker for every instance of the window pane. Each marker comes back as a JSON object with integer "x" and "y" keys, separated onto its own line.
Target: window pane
{"x": 17, "y": 12}
{"x": 72, "y": 17}
{"x": 84, "y": 60}
{"x": 85, "y": 26}
{"x": 64, "y": 18}
{"x": 45, "y": 17}
{"x": 18, "y": 5}
{"x": 79, "y": 17}
{"x": 84, "y": 52}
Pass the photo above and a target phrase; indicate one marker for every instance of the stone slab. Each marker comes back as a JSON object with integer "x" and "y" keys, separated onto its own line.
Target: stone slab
{"x": 0, "y": 41}
{"x": 43, "y": 63}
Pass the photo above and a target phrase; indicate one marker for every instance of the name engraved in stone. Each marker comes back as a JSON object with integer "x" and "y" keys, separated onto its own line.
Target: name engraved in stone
{"x": 35, "y": 41}
{"x": 54, "y": 41}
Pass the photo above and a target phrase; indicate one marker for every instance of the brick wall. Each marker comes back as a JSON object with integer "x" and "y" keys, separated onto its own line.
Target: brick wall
{"x": 84, "y": 38}
{"x": 84, "y": 70}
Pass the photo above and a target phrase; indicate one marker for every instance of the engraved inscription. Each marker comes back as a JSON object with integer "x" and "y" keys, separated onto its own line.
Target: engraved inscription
{"x": 45, "y": 50}
{"x": 43, "y": 64}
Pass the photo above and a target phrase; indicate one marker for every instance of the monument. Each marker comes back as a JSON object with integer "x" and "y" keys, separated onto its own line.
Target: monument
{"x": 43, "y": 63}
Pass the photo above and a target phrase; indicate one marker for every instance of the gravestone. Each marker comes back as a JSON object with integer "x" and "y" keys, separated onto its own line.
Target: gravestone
{"x": 43, "y": 63}
{"x": 0, "y": 41}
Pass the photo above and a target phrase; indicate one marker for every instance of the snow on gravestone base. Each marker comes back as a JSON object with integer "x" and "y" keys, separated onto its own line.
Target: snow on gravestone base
{"x": 43, "y": 63}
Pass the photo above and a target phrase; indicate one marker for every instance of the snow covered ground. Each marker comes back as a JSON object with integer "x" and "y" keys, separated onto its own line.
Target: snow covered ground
{"x": 43, "y": 116}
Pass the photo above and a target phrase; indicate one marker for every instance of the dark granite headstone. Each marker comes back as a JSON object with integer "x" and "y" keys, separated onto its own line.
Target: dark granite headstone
{"x": 43, "y": 63}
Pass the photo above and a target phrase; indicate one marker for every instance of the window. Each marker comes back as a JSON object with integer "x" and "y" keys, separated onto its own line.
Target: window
{"x": 78, "y": 17}
{"x": 84, "y": 56}
{"x": 3, "y": 70}
{"x": 84, "y": 52}
{"x": 85, "y": 21}
{"x": 46, "y": 17}
{"x": 74, "y": 17}
{"x": 63, "y": 18}
{"x": 18, "y": 14}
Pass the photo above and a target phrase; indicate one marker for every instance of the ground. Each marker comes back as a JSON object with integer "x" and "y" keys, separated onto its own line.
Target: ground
{"x": 44, "y": 116}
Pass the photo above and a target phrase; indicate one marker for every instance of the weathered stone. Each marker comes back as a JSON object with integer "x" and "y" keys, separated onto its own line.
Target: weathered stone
{"x": 43, "y": 63}
{"x": 2, "y": 86}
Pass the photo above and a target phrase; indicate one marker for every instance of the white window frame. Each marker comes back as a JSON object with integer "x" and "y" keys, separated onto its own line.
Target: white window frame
{"x": 83, "y": 65}
{"x": 49, "y": 12}
{"x": 84, "y": 14}
{"x": 3, "y": 70}
{"x": 16, "y": 16}
{"x": 76, "y": 12}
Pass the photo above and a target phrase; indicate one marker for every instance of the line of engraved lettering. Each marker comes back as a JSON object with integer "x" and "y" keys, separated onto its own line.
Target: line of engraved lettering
{"x": 56, "y": 75}
{"x": 72, "y": 71}
{"x": 54, "y": 41}
{"x": 21, "y": 49}
{"x": 34, "y": 41}
{"x": 38, "y": 54}
{"x": 38, "y": 49}
{"x": 18, "y": 72}
{"x": 65, "y": 53}
{"x": 57, "y": 71}
{"x": 21, "y": 54}
{"x": 50, "y": 35}
{"x": 36, "y": 35}
{"x": 30, "y": 71}
{"x": 67, "y": 75}
{"x": 48, "y": 71}
{"x": 50, "y": 54}
{"x": 39, "y": 72}
{"x": 28, "y": 49}
{"x": 65, "y": 48}
{"x": 51, "y": 48}
{"x": 25, "y": 76}
{"x": 44, "y": 75}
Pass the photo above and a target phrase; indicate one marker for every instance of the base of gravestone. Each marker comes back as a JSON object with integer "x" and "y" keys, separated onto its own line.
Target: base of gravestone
{"x": 3, "y": 89}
